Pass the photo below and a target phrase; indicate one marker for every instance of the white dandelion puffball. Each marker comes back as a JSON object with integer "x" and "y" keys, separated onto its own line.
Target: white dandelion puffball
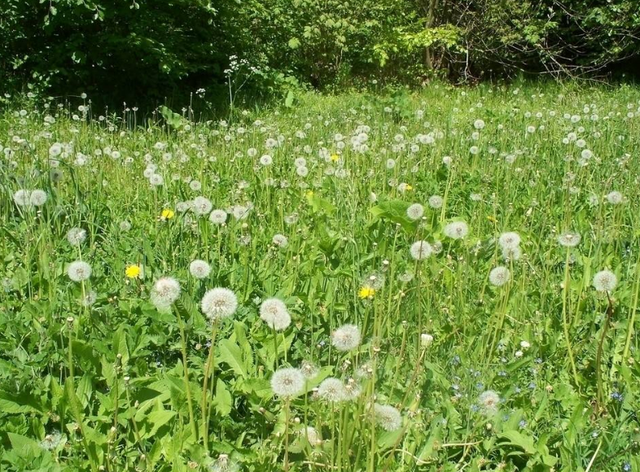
{"x": 22, "y": 198}
{"x": 219, "y": 303}
{"x": 218, "y": 217}
{"x": 201, "y": 206}
{"x": 478, "y": 124}
{"x": 499, "y": 276}
{"x": 309, "y": 370}
{"x": 332, "y": 390}
{"x": 240, "y": 212}
{"x": 165, "y": 291}
{"x": 415, "y": 211}
{"x": 287, "y": 382}
{"x": 489, "y": 401}
{"x": 280, "y": 240}
{"x": 79, "y": 271}
{"x": 569, "y": 239}
{"x": 266, "y": 160}
{"x": 89, "y": 298}
{"x": 435, "y": 201}
{"x": 38, "y": 197}
{"x": 346, "y": 337}
{"x": 420, "y": 250}
{"x": 605, "y": 281}
{"x": 511, "y": 254}
{"x": 456, "y": 230}
{"x": 613, "y": 198}
{"x": 224, "y": 464}
{"x": 76, "y": 236}
{"x": 352, "y": 390}
{"x": 387, "y": 417}
{"x": 426, "y": 339}
{"x": 312, "y": 435}
{"x": 509, "y": 240}
{"x": 124, "y": 226}
{"x": 200, "y": 269}
{"x": 274, "y": 312}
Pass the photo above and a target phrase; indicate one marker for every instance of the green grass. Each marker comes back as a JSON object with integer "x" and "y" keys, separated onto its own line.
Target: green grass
{"x": 117, "y": 384}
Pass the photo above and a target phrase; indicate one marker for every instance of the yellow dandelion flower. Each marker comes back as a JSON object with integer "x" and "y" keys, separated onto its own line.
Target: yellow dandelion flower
{"x": 309, "y": 193}
{"x": 132, "y": 271}
{"x": 366, "y": 292}
{"x": 167, "y": 214}
{"x": 492, "y": 218}
{"x": 335, "y": 157}
{"x": 408, "y": 187}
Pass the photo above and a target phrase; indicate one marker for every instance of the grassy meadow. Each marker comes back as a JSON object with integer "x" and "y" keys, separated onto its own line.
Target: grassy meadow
{"x": 438, "y": 281}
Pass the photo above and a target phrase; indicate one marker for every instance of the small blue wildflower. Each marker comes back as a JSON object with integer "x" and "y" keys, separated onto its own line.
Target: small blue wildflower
{"x": 532, "y": 385}
{"x": 538, "y": 360}
{"x": 480, "y": 386}
{"x": 502, "y": 373}
{"x": 455, "y": 360}
{"x": 617, "y": 396}
{"x": 626, "y": 467}
{"x": 474, "y": 408}
{"x": 522, "y": 424}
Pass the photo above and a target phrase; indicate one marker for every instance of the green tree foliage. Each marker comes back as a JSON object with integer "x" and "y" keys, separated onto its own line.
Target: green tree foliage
{"x": 131, "y": 48}
{"x": 134, "y": 48}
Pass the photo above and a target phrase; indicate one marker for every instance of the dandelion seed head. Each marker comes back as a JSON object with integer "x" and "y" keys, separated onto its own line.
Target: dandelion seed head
{"x": 499, "y": 276}
{"x": 456, "y": 230}
{"x": 287, "y": 382}
{"x": 38, "y": 197}
{"x": 165, "y": 291}
{"x": 387, "y": 417}
{"x": 605, "y": 281}
{"x": 76, "y": 236}
{"x": 346, "y": 337}
{"x": 435, "y": 201}
{"x": 509, "y": 240}
{"x": 332, "y": 390}
{"x": 218, "y": 217}
{"x": 614, "y": 198}
{"x": 280, "y": 240}
{"x": 312, "y": 435}
{"x": 201, "y": 206}
{"x": 489, "y": 401}
{"x": 569, "y": 239}
{"x": 415, "y": 211}
{"x": 274, "y": 312}
{"x": 22, "y": 198}
{"x": 219, "y": 303}
{"x": 420, "y": 250}
{"x": 199, "y": 269}
{"x": 79, "y": 271}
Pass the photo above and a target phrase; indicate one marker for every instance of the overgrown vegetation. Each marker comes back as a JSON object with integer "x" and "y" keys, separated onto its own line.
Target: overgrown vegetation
{"x": 441, "y": 281}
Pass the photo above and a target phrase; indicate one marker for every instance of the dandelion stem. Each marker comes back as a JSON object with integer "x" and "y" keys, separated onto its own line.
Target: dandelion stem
{"x": 599, "y": 352}
{"x": 565, "y": 321}
{"x": 185, "y": 369}
{"x": 630, "y": 330}
{"x": 208, "y": 371}
{"x": 286, "y": 435}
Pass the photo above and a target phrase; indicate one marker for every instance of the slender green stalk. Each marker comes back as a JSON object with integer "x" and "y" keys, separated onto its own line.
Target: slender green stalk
{"x": 565, "y": 320}
{"x": 599, "y": 352}
{"x": 185, "y": 369}
{"x": 209, "y": 370}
